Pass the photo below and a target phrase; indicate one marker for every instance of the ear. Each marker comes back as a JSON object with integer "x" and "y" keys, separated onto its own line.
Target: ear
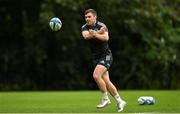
{"x": 95, "y": 16}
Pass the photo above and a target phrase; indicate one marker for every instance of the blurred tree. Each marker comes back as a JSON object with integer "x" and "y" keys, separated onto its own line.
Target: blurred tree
{"x": 144, "y": 40}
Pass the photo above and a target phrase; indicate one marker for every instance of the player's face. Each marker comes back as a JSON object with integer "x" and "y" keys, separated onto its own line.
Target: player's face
{"x": 90, "y": 18}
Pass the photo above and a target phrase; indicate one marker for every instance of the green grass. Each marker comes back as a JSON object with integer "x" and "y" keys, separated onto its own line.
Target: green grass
{"x": 85, "y": 102}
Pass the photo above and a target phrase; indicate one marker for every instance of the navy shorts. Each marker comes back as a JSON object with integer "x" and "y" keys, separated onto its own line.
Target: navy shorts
{"x": 105, "y": 60}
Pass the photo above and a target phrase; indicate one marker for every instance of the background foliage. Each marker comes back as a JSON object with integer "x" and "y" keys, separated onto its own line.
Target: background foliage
{"x": 144, "y": 39}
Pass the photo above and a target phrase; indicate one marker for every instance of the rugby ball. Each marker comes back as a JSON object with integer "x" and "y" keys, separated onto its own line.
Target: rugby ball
{"x": 55, "y": 24}
{"x": 146, "y": 100}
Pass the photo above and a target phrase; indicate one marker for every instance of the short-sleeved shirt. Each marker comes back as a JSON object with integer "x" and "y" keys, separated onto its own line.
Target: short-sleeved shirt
{"x": 98, "y": 47}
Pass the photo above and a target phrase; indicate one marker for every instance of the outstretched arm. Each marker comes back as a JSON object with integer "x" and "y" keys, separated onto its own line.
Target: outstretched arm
{"x": 101, "y": 34}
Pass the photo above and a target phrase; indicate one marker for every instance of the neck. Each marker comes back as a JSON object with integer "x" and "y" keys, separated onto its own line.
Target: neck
{"x": 94, "y": 24}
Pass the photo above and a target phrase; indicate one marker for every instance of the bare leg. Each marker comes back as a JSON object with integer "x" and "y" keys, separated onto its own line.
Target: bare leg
{"x": 113, "y": 91}
{"x": 110, "y": 86}
{"x": 97, "y": 75}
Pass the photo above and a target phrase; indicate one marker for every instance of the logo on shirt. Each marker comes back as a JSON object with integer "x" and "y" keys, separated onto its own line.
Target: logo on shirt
{"x": 102, "y": 62}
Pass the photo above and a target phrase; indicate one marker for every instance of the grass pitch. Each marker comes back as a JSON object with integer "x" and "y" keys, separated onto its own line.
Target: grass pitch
{"x": 85, "y": 102}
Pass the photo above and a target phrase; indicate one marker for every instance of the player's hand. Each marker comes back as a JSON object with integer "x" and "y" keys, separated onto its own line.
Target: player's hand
{"x": 102, "y": 30}
{"x": 92, "y": 32}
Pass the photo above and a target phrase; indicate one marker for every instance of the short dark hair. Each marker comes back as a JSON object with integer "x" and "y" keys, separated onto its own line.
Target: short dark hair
{"x": 90, "y": 11}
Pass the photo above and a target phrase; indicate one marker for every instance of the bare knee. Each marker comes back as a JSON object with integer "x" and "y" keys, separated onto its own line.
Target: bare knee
{"x": 98, "y": 72}
{"x": 96, "y": 76}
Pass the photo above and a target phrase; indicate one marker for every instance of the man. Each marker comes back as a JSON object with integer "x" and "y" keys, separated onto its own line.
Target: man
{"x": 96, "y": 34}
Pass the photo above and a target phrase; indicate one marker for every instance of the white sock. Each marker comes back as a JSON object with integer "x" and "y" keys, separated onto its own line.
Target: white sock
{"x": 105, "y": 95}
{"x": 118, "y": 98}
